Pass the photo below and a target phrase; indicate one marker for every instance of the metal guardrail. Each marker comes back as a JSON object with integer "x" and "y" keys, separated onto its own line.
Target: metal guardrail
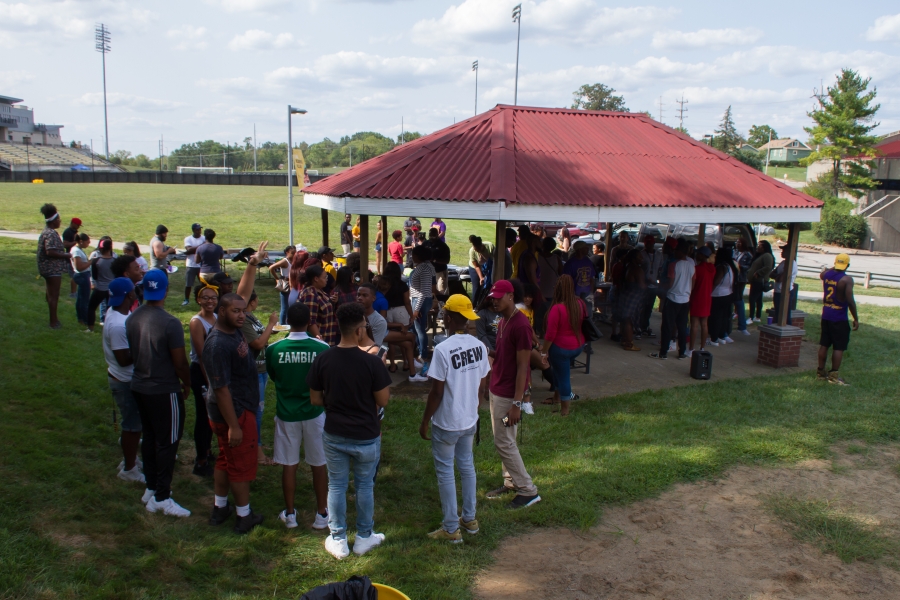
{"x": 867, "y": 277}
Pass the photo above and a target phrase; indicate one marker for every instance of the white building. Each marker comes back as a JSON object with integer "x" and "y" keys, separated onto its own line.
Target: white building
{"x": 17, "y": 125}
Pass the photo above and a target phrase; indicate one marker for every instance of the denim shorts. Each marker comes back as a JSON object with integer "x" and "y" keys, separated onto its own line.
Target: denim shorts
{"x": 121, "y": 391}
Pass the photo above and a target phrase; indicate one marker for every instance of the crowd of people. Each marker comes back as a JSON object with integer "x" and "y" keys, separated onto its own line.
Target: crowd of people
{"x": 332, "y": 372}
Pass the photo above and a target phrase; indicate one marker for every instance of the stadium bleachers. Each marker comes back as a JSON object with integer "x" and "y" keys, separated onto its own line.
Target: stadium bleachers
{"x": 18, "y": 156}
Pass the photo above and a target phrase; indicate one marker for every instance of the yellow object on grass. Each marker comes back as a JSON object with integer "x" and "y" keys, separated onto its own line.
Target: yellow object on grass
{"x": 37, "y": 181}
{"x": 386, "y": 592}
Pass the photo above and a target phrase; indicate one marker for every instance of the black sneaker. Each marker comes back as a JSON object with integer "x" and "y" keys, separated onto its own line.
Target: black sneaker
{"x": 220, "y": 515}
{"x": 658, "y": 355}
{"x": 203, "y": 470}
{"x": 521, "y": 501}
{"x": 243, "y": 525}
{"x": 615, "y": 338}
{"x": 649, "y": 333}
{"x": 682, "y": 356}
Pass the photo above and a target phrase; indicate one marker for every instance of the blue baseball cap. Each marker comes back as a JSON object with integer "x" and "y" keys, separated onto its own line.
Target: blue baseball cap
{"x": 155, "y": 284}
{"x": 118, "y": 289}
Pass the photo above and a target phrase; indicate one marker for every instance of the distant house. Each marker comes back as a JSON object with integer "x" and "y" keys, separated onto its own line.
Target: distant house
{"x": 745, "y": 147}
{"x": 787, "y": 150}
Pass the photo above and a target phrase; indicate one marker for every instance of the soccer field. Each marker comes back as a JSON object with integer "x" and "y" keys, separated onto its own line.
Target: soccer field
{"x": 240, "y": 215}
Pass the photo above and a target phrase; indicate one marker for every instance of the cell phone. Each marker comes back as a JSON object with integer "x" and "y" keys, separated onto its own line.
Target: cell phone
{"x": 382, "y": 350}
{"x": 505, "y": 420}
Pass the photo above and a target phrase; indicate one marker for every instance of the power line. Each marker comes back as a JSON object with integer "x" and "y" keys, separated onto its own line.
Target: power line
{"x": 660, "y": 109}
{"x": 681, "y": 111}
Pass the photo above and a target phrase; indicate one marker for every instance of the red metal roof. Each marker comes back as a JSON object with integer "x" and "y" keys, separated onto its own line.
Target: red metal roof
{"x": 546, "y": 156}
{"x": 888, "y": 150}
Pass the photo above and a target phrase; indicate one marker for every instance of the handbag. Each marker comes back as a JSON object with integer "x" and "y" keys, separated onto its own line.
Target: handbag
{"x": 283, "y": 285}
{"x": 589, "y": 330}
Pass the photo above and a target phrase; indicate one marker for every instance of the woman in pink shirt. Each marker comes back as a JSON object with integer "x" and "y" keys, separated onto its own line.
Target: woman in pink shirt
{"x": 563, "y": 340}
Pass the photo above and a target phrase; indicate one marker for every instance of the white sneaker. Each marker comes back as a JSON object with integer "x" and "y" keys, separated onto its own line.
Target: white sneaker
{"x": 137, "y": 461}
{"x": 417, "y": 378}
{"x": 363, "y": 545}
{"x": 321, "y": 522}
{"x": 337, "y": 548}
{"x": 745, "y": 332}
{"x": 132, "y": 475}
{"x": 688, "y": 353}
{"x": 147, "y": 495}
{"x": 289, "y": 520}
{"x": 527, "y": 408}
{"x": 750, "y": 321}
{"x": 168, "y": 507}
{"x": 727, "y": 339}
{"x": 419, "y": 364}
{"x": 710, "y": 342}
{"x": 755, "y": 320}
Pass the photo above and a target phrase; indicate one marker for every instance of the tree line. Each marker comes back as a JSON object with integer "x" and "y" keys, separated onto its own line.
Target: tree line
{"x": 270, "y": 156}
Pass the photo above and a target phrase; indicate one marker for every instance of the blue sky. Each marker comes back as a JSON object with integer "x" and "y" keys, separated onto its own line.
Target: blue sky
{"x": 210, "y": 69}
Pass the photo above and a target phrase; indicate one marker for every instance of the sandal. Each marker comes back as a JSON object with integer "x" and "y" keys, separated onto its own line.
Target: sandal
{"x": 392, "y": 368}
{"x": 549, "y": 401}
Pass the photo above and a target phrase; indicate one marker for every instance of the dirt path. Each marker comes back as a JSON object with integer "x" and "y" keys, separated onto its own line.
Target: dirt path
{"x": 713, "y": 540}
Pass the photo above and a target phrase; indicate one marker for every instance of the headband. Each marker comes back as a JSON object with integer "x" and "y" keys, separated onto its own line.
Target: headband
{"x": 206, "y": 286}
{"x": 51, "y": 219}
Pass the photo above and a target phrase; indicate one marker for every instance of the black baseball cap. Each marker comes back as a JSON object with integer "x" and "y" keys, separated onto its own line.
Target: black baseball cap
{"x": 196, "y": 226}
{"x": 325, "y": 250}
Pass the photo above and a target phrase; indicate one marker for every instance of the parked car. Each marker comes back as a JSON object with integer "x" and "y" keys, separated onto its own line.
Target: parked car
{"x": 726, "y": 234}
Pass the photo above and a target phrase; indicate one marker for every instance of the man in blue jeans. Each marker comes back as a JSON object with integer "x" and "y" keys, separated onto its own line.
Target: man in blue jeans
{"x": 458, "y": 374}
{"x": 352, "y": 385}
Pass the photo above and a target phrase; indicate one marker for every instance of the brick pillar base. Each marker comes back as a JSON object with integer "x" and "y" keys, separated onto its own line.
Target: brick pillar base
{"x": 797, "y": 318}
{"x": 779, "y": 346}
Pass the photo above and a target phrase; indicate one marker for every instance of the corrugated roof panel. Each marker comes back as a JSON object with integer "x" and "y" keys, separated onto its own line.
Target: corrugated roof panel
{"x": 527, "y": 155}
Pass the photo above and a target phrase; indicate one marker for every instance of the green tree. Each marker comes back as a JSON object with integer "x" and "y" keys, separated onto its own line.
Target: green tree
{"x": 759, "y": 135}
{"x": 843, "y": 128}
{"x": 408, "y": 136}
{"x": 597, "y": 97}
{"x": 682, "y": 129}
{"x": 749, "y": 158}
{"x": 727, "y": 138}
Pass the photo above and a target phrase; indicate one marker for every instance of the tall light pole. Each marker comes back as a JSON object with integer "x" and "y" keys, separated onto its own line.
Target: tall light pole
{"x": 475, "y": 68}
{"x": 517, "y": 18}
{"x": 290, "y": 158}
{"x": 101, "y": 44}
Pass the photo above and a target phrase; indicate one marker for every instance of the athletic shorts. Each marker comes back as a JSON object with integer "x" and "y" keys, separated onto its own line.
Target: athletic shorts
{"x": 128, "y": 408}
{"x": 835, "y": 333}
{"x": 239, "y": 462}
{"x": 190, "y": 276}
{"x": 289, "y": 435}
{"x": 398, "y": 314}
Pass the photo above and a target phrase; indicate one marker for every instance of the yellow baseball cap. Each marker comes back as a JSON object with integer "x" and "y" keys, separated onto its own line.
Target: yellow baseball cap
{"x": 841, "y": 262}
{"x": 461, "y": 304}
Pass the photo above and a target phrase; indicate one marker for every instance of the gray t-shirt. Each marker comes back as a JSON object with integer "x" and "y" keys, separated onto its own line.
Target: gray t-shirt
{"x": 208, "y": 256}
{"x": 379, "y": 327}
{"x": 152, "y": 333}
{"x": 229, "y": 362}
{"x": 101, "y": 272}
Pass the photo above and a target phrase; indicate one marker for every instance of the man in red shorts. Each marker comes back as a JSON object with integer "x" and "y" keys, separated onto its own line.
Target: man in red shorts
{"x": 232, "y": 403}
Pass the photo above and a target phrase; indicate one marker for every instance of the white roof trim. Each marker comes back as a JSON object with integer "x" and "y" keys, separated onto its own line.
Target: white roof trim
{"x": 493, "y": 211}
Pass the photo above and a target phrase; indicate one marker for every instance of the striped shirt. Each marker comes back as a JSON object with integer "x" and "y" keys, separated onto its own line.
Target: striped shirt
{"x": 420, "y": 281}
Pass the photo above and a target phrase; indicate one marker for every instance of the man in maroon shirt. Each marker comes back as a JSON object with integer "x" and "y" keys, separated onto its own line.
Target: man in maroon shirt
{"x": 509, "y": 380}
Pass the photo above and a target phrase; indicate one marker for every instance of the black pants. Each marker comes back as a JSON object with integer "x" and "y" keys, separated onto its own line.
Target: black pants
{"x": 647, "y": 308}
{"x": 674, "y": 315}
{"x": 202, "y": 431}
{"x": 756, "y": 300}
{"x": 96, "y": 298}
{"x": 719, "y": 316}
{"x": 162, "y": 418}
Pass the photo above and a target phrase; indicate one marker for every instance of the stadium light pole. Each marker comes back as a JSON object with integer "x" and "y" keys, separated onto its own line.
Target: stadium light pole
{"x": 101, "y": 44}
{"x": 290, "y": 183}
{"x": 475, "y": 68}
{"x": 517, "y": 18}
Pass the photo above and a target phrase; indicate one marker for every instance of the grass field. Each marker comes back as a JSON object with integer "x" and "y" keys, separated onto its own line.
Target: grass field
{"x": 70, "y": 529}
{"x": 241, "y": 215}
{"x": 808, "y": 284}
{"x": 793, "y": 173}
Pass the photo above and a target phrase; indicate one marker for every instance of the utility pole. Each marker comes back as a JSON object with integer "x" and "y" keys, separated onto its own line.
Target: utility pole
{"x": 517, "y": 18}
{"x": 351, "y": 154}
{"x": 101, "y": 44}
{"x": 474, "y": 68}
{"x": 660, "y": 109}
{"x": 160, "y": 153}
{"x": 402, "y": 132}
{"x": 681, "y": 111}
{"x": 254, "y": 147}
{"x": 768, "y": 150}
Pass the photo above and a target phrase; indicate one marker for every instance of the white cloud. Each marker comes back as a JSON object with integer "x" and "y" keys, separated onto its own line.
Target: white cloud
{"x": 138, "y": 103}
{"x": 706, "y": 38}
{"x": 886, "y": 28}
{"x": 233, "y": 6}
{"x": 10, "y": 79}
{"x": 257, "y": 39}
{"x": 42, "y": 22}
{"x": 188, "y": 37}
{"x": 560, "y": 21}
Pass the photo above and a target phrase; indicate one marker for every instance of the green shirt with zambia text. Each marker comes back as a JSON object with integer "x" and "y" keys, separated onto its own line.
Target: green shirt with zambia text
{"x": 287, "y": 363}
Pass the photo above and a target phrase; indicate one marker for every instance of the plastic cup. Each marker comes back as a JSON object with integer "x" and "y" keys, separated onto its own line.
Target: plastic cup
{"x": 769, "y": 320}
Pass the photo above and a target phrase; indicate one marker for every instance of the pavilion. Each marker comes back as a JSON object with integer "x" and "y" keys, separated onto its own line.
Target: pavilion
{"x": 518, "y": 163}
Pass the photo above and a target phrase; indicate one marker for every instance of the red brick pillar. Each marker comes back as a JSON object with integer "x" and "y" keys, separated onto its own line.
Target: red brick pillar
{"x": 798, "y": 319}
{"x": 779, "y": 346}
